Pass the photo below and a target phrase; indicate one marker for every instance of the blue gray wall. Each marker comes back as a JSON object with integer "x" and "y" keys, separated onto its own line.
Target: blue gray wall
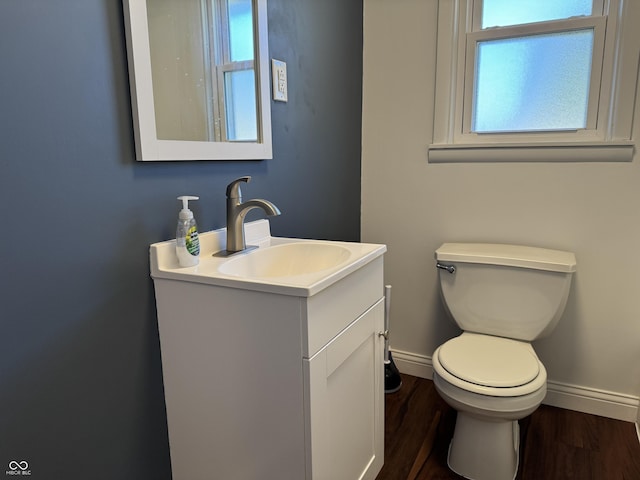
{"x": 81, "y": 391}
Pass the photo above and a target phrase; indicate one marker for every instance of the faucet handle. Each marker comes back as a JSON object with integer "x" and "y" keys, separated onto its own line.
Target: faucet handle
{"x": 233, "y": 189}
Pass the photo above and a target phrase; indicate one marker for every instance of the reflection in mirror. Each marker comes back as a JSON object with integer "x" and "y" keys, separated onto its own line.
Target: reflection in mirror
{"x": 202, "y": 69}
{"x": 199, "y": 78}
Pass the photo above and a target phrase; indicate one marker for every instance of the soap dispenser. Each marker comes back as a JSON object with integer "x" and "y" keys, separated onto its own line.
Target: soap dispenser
{"x": 187, "y": 241}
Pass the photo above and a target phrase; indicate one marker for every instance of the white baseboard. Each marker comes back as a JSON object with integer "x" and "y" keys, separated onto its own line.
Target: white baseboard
{"x": 572, "y": 397}
{"x": 590, "y": 400}
{"x": 413, "y": 364}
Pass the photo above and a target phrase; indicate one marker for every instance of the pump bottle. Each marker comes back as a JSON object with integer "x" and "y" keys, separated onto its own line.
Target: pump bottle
{"x": 187, "y": 241}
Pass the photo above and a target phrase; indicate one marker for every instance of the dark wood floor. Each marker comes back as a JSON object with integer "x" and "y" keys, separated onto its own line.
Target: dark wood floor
{"x": 556, "y": 444}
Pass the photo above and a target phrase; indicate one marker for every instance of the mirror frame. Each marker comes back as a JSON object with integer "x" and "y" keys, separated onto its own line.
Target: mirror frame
{"x": 148, "y": 146}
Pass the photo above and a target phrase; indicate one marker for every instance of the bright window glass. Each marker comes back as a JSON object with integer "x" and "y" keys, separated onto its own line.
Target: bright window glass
{"x": 240, "y": 30}
{"x": 531, "y": 83}
{"x": 240, "y": 105}
{"x": 515, "y": 12}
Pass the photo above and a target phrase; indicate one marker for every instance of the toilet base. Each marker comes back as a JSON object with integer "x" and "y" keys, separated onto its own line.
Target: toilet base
{"x": 484, "y": 450}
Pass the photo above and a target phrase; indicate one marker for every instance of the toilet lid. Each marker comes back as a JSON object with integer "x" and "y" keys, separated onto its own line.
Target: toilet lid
{"x": 489, "y": 361}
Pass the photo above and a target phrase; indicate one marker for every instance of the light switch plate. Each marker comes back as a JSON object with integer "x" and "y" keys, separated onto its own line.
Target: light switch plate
{"x": 279, "y": 80}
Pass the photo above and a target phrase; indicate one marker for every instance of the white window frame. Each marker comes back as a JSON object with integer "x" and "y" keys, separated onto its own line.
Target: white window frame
{"x": 216, "y": 24}
{"x": 613, "y": 87}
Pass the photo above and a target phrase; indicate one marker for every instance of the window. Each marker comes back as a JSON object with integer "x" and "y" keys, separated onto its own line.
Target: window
{"x": 535, "y": 80}
{"x": 203, "y": 65}
{"x": 230, "y": 27}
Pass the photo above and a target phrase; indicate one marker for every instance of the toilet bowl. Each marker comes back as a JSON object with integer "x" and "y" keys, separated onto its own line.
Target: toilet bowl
{"x": 502, "y": 297}
{"x": 491, "y": 397}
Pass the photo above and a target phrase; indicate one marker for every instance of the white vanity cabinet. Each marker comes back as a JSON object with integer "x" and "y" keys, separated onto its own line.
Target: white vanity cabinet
{"x": 274, "y": 385}
{"x": 344, "y": 388}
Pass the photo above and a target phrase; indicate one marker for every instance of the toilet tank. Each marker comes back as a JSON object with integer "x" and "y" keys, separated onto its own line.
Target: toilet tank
{"x": 509, "y": 291}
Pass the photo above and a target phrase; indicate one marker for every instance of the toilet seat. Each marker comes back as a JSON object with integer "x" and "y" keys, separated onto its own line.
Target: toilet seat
{"x": 490, "y": 365}
{"x": 489, "y": 361}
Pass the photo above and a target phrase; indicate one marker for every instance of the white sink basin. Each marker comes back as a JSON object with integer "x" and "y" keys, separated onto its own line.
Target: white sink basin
{"x": 289, "y": 266}
{"x": 285, "y": 260}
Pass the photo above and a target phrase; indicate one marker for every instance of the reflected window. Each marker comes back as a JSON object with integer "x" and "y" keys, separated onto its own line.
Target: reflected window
{"x": 240, "y": 105}
{"x": 240, "y": 18}
{"x": 236, "y": 79}
{"x": 203, "y": 70}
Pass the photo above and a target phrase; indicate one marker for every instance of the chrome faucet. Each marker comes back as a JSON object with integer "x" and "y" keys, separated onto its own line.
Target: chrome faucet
{"x": 236, "y": 211}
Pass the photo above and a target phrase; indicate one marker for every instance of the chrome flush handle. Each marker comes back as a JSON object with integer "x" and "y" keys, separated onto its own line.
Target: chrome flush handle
{"x": 448, "y": 268}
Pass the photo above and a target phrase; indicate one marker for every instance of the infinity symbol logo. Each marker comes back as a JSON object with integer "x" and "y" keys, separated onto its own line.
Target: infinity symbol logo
{"x": 23, "y": 465}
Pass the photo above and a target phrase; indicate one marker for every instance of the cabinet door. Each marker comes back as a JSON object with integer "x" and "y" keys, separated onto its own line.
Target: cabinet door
{"x": 344, "y": 390}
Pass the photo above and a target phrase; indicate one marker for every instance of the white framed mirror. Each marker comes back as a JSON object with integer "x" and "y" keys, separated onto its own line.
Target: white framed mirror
{"x": 199, "y": 78}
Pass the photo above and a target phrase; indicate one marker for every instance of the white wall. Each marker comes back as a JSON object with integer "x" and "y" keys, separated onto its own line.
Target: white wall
{"x": 592, "y": 209}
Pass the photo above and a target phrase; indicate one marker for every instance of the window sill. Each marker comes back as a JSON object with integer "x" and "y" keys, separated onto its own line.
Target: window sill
{"x": 616, "y": 151}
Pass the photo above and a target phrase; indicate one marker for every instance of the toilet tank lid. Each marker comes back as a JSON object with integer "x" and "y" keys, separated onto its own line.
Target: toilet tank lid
{"x": 508, "y": 255}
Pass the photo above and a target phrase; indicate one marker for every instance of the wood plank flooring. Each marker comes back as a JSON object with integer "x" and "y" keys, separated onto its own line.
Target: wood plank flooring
{"x": 556, "y": 444}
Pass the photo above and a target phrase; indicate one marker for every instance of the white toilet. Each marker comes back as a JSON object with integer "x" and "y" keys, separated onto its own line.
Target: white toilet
{"x": 502, "y": 297}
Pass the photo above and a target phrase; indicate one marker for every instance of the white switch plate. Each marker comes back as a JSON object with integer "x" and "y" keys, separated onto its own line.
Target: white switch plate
{"x": 279, "y": 80}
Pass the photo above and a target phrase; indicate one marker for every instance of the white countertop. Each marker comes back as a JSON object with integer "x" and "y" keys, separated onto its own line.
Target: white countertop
{"x": 164, "y": 263}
